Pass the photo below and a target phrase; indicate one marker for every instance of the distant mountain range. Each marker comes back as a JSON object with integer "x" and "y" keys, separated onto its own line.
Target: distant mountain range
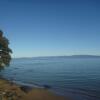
{"x": 85, "y": 56}
{"x": 79, "y": 56}
{"x": 71, "y": 56}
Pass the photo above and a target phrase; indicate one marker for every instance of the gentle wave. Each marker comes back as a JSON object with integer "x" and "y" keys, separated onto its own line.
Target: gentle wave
{"x": 78, "y": 78}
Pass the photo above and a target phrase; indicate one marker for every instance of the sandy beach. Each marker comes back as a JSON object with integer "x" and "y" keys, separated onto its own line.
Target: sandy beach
{"x": 12, "y": 91}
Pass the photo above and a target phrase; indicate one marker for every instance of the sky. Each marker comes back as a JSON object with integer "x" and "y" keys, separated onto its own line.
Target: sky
{"x": 51, "y": 27}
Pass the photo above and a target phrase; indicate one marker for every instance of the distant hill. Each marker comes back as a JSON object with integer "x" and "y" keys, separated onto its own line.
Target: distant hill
{"x": 86, "y": 56}
{"x": 72, "y": 56}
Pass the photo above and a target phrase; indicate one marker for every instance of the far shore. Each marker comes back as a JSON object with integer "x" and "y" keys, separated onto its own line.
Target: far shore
{"x": 13, "y": 91}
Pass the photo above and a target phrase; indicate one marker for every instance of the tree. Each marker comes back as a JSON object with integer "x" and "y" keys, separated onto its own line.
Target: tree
{"x": 5, "y": 51}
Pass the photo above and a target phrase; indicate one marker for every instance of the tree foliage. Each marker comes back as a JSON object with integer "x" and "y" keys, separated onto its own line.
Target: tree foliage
{"x": 5, "y": 51}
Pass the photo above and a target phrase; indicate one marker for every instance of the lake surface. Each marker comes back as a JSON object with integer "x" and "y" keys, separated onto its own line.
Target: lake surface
{"x": 78, "y": 78}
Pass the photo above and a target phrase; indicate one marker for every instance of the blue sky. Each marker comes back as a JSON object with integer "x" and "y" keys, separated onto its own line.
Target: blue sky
{"x": 51, "y": 27}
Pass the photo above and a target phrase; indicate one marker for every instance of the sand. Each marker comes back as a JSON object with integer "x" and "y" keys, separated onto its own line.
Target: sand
{"x": 12, "y": 91}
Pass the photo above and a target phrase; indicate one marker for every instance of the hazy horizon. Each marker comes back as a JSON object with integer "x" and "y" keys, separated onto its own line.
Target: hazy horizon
{"x": 61, "y": 56}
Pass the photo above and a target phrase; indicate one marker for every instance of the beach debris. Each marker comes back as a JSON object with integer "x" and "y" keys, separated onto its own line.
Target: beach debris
{"x": 9, "y": 95}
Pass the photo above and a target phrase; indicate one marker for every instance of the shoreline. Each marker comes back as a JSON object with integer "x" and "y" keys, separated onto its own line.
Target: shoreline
{"x": 14, "y": 91}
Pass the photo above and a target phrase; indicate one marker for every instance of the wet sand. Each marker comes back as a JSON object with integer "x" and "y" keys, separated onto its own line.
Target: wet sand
{"x": 12, "y": 91}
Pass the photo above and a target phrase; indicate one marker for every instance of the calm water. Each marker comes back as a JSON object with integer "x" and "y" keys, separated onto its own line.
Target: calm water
{"x": 75, "y": 77}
